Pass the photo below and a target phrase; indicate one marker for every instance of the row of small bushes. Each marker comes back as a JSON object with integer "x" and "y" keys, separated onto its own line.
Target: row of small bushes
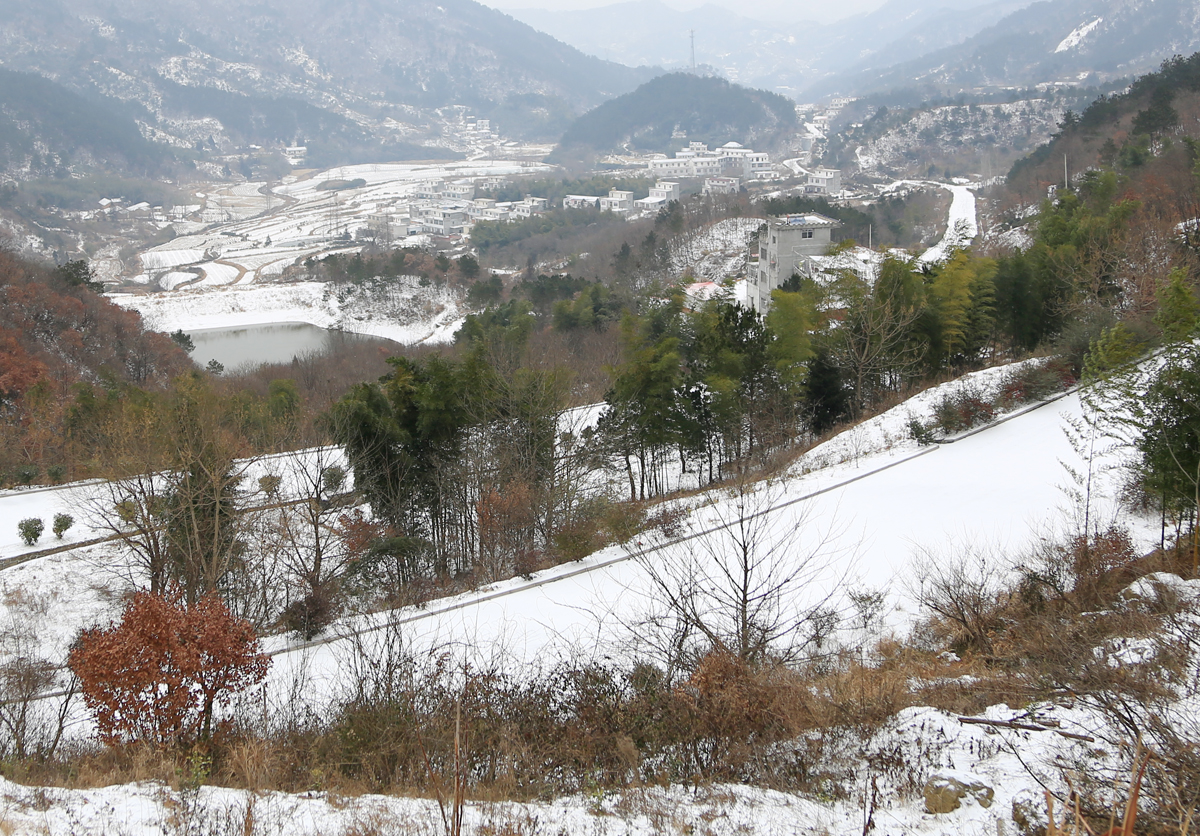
{"x": 965, "y": 408}
{"x": 29, "y": 474}
{"x": 31, "y": 528}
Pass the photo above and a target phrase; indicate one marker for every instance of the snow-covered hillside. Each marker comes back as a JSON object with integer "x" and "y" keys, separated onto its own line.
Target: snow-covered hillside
{"x": 970, "y": 130}
{"x": 866, "y": 508}
{"x": 870, "y": 506}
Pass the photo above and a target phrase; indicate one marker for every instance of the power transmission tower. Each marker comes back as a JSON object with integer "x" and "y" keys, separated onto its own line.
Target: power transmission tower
{"x": 692, "y": 32}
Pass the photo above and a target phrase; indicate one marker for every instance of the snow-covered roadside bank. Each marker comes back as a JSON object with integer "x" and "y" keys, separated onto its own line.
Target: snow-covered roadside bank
{"x": 403, "y": 311}
{"x": 925, "y": 747}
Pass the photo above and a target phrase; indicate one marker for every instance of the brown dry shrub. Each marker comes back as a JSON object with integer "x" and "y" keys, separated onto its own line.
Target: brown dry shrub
{"x": 1103, "y": 565}
{"x": 158, "y": 676}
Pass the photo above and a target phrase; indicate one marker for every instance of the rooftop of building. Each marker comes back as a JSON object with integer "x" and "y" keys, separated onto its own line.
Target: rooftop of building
{"x": 806, "y": 219}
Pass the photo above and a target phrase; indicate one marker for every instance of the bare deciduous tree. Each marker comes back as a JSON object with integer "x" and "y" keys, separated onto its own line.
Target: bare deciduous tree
{"x": 759, "y": 584}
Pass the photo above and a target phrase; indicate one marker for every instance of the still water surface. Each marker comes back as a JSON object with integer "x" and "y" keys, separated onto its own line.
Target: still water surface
{"x": 254, "y": 345}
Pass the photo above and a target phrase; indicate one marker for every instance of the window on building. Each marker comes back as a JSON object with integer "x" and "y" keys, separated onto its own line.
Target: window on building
{"x": 806, "y": 233}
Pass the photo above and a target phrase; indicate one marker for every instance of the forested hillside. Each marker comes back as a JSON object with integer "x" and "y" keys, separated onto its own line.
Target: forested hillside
{"x": 704, "y": 109}
{"x": 62, "y": 346}
{"x": 46, "y": 129}
{"x": 1144, "y": 134}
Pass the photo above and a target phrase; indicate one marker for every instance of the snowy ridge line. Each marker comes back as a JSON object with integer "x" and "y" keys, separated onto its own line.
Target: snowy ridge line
{"x": 459, "y": 605}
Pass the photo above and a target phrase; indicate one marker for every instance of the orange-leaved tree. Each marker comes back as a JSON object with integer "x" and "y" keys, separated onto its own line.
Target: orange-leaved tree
{"x": 157, "y": 675}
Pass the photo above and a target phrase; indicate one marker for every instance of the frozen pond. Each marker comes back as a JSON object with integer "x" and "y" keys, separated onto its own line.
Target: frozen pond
{"x": 254, "y": 345}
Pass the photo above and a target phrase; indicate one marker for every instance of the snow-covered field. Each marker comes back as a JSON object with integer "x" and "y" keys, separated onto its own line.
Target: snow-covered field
{"x": 256, "y": 224}
{"x": 228, "y": 274}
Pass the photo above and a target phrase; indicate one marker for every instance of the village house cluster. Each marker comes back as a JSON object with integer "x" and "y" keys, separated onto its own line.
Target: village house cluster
{"x": 450, "y": 208}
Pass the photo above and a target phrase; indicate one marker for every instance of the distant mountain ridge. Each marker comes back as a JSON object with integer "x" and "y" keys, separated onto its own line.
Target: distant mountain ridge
{"x": 382, "y": 64}
{"x": 1060, "y": 41}
{"x": 782, "y": 56}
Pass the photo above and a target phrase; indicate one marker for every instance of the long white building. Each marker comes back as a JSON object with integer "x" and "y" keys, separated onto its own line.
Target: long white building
{"x": 730, "y": 160}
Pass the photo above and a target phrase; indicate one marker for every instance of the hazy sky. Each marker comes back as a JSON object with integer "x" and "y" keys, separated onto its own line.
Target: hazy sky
{"x": 816, "y": 10}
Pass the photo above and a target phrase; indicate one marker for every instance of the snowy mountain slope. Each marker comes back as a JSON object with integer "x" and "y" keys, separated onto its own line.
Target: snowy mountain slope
{"x": 1065, "y": 41}
{"x": 878, "y": 508}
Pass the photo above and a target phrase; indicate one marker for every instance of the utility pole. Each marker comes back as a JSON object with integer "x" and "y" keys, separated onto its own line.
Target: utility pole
{"x": 1066, "y": 179}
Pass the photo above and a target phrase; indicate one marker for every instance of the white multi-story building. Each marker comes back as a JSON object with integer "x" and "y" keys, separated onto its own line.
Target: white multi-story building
{"x": 486, "y": 209}
{"x": 823, "y": 181}
{"x": 581, "y": 201}
{"x": 429, "y": 190}
{"x": 388, "y": 226}
{"x": 619, "y": 202}
{"x": 660, "y": 195}
{"x": 459, "y": 190}
{"x": 787, "y": 247}
{"x": 530, "y": 206}
{"x": 749, "y": 163}
{"x": 438, "y": 220}
{"x": 722, "y": 185}
{"x": 688, "y": 166}
{"x": 665, "y": 191}
{"x": 731, "y": 159}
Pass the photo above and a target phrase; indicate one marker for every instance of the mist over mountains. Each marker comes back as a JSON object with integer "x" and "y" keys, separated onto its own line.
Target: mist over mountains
{"x": 931, "y": 47}
{"x": 768, "y": 52}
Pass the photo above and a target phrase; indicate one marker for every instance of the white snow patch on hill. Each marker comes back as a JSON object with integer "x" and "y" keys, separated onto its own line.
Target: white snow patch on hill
{"x": 717, "y": 251}
{"x": 1076, "y": 37}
